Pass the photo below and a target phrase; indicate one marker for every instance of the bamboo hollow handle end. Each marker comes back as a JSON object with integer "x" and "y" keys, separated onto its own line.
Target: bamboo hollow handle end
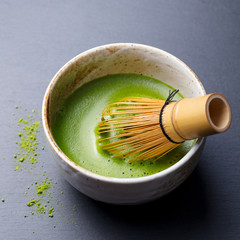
{"x": 192, "y": 118}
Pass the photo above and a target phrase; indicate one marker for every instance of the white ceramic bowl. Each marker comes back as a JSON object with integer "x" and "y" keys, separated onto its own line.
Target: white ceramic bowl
{"x": 110, "y": 59}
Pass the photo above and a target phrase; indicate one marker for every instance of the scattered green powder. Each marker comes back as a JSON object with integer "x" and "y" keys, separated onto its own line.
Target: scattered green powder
{"x": 32, "y": 202}
{"x": 41, "y": 202}
{"x": 20, "y": 134}
{"x": 21, "y": 120}
{"x": 40, "y": 207}
{"x": 51, "y": 210}
{"x": 41, "y": 189}
{"x": 33, "y": 160}
{"x": 21, "y": 159}
{"x": 28, "y": 143}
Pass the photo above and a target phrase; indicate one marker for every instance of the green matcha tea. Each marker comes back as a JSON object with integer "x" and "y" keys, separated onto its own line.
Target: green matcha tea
{"x": 75, "y": 128}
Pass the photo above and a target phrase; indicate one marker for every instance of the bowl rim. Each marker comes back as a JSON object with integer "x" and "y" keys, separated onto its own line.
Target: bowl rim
{"x": 85, "y": 172}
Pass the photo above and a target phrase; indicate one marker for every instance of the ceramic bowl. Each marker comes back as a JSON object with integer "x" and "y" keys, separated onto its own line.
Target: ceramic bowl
{"x": 111, "y": 59}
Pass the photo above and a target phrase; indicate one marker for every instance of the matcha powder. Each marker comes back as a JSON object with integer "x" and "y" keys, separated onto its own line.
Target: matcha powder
{"x": 40, "y": 193}
{"x": 28, "y": 143}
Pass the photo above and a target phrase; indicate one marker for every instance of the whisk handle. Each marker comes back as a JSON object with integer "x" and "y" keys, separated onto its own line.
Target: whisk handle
{"x": 198, "y": 117}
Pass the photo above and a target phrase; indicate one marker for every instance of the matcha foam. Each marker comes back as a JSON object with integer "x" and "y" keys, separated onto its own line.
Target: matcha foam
{"x": 75, "y": 129}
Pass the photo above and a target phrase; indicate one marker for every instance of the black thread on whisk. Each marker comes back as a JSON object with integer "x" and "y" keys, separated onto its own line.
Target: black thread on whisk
{"x": 168, "y": 100}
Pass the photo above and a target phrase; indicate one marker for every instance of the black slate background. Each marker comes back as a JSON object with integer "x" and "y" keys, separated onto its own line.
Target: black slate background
{"x": 38, "y": 37}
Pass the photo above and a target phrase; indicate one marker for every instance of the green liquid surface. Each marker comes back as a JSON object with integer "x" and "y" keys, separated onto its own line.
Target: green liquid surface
{"x": 75, "y": 127}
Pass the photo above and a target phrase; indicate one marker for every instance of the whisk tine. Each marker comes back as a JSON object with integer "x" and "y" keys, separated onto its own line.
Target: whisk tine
{"x": 131, "y": 129}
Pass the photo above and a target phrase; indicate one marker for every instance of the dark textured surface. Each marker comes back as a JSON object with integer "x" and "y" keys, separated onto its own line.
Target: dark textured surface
{"x": 37, "y": 38}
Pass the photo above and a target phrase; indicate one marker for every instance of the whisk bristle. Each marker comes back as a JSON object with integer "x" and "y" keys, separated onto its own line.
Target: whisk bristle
{"x": 130, "y": 129}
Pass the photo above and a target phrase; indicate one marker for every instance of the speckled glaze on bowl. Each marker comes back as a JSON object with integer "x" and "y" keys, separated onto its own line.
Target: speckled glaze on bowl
{"x": 111, "y": 59}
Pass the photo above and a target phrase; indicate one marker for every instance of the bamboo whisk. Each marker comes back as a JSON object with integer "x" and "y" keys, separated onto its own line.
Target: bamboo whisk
{"x": 140, "y": 128}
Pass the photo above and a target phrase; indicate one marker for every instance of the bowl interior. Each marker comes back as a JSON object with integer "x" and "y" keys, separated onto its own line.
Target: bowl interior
{"x": 120, "y": 58}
